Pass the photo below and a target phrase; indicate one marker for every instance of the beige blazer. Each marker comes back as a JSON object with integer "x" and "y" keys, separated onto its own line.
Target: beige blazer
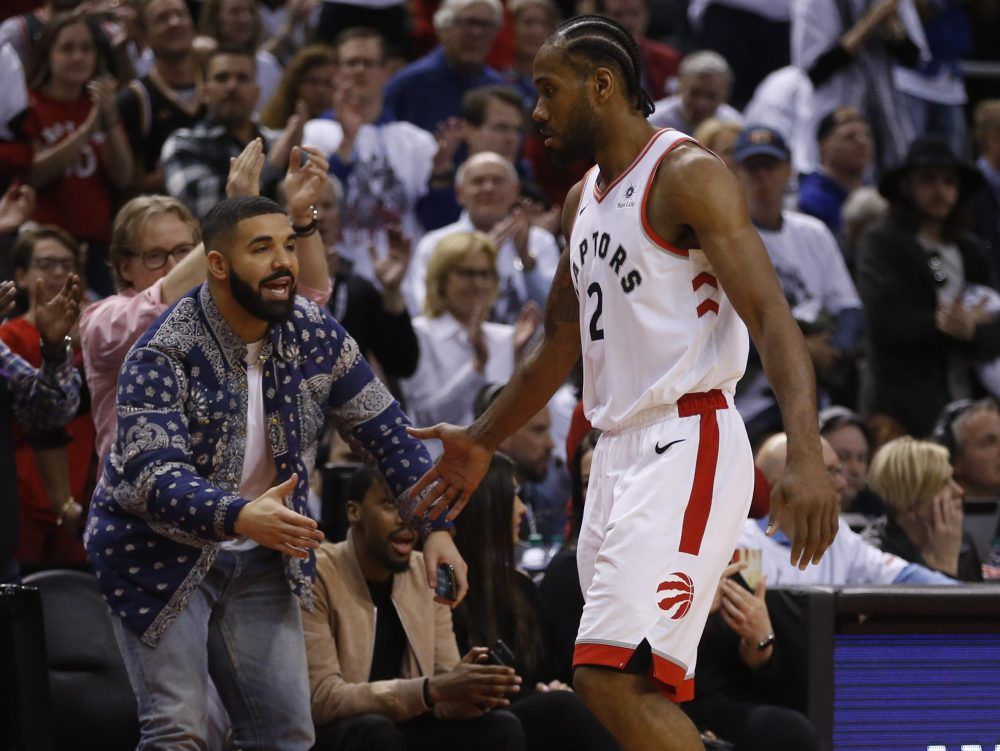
{"x": 340, "y": 639}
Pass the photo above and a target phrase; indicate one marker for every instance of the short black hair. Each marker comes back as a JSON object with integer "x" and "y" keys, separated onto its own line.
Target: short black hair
{"x": 360, "y": 483}
{"x": 600, "y": 40}
{"x": 476, "y": 101}
{"x": 223, "y": 218}
{"x": 234, "y": 50}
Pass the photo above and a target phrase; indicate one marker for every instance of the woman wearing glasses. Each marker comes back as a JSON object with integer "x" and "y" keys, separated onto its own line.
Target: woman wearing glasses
{"x": 55, "y": 471}
{"x": 460, "y": 351}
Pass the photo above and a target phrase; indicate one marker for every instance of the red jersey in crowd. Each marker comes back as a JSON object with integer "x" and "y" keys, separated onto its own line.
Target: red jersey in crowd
{"x": 80, "y": 201}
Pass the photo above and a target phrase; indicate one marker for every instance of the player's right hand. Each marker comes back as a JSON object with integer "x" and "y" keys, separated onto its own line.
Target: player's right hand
{"x": 267, "y": 521}
{"x": 450, "y": 482}
{"x": 806, "y": 506}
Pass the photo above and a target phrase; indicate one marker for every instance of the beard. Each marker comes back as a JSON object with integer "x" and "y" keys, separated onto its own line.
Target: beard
{"x": 272, "y": 311}
{"x": 579, "y": 138}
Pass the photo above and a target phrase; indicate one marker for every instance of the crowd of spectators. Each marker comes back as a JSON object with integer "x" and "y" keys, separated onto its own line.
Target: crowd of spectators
{"x": 870, "y": 169}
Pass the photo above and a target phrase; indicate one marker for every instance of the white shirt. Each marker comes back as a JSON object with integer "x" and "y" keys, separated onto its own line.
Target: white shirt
{"x": 810, "y": 267}
{"x": 258, "y": 460}
{"x": 392, "y": 166}
{"x": 15, "y": 98}
{"x": 516, "y": 285}
{"x": 850, "y": 560}
{"x": 669, "y": 114}
{"x": 268, "y": 77}
{"x": 773, "y": 10}
{"x": 445, "y": 385}
{"x": 781, "y": 101}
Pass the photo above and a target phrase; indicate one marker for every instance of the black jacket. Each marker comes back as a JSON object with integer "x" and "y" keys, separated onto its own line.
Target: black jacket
{"x": 908, "y": 356}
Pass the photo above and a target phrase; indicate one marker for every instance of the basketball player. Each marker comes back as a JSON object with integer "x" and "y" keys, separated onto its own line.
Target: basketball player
{"x": 662, "y": 270}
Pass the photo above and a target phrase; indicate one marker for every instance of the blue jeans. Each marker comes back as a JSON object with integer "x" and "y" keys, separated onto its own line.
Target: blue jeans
{"x": 242, "y": 628}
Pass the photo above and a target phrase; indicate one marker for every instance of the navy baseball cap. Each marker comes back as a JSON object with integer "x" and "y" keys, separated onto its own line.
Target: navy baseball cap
{"x": 755, "y": 140}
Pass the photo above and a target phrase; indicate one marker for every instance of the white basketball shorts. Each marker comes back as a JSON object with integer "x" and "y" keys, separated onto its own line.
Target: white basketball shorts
{"x": 669, "y": 493}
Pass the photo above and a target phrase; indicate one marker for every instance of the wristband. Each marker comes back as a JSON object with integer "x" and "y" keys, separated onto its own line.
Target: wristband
{"x": 427, "y": 692}
{"x": 58, "y": 354}
{"x": 308, "y": 229}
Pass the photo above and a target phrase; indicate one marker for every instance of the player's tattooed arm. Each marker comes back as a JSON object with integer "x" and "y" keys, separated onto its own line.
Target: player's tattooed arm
{"x": 562, "y": 305}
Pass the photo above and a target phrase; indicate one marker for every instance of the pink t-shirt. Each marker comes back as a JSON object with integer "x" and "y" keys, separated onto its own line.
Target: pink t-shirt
{"x": 108, "y": 329}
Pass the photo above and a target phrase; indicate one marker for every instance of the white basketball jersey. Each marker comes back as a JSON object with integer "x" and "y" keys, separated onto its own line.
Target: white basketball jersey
{"x": 655, "y": 323}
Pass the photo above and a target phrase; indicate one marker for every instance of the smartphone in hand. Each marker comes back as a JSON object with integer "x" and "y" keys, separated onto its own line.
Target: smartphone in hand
{"x": 446, "y": 587}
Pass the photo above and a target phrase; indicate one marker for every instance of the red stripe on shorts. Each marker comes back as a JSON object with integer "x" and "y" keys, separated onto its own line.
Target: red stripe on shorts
{"x": 669, "y": 677}
{"x": 700, "y": 502}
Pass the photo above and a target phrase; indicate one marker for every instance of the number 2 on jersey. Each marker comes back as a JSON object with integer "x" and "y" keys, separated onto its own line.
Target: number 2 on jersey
{"x": 596, "y": 332}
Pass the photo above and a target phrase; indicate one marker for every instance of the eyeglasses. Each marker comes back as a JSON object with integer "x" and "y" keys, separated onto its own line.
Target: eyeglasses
{"x": 468, "y": 275}
{"x": 157, "y": 259}
{"x": 48, "y": 265}
{"x": 475, "y": 24}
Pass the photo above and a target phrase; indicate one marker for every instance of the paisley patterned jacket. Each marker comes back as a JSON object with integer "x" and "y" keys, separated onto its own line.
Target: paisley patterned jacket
{"x": 168, "y": 495}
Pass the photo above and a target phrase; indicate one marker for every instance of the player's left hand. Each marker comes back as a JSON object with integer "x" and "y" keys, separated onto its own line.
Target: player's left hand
{"x": 806, "y": 506}
{"x": 440, "y": 548}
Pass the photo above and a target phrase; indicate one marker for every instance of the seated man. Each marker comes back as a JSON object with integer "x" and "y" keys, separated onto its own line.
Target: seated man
{"x": 850, "y": 560}
{"x": 384, "y": 670}
{"x": 487, "y": 188}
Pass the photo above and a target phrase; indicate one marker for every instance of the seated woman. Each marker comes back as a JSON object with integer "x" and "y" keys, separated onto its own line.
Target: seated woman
{"x": 460, "y": 351}
{"x": 923, "y": 522}
{"x": 852, "y": 440}
{"x": 503, "y": 604}
{"x": 560, "y": 589}
{"x": 739, "y": 662}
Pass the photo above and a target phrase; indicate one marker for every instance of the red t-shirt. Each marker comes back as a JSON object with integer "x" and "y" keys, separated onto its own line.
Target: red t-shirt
{"x": 24, "y": 339}
{"x": 80, "y": 200}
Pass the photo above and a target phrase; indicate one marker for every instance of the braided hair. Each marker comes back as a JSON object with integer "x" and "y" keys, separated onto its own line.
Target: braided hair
{"x": 599, "y": 39}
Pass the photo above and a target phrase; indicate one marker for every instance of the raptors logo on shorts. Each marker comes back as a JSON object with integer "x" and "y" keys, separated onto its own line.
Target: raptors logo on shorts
{"x": 678, "y": 592}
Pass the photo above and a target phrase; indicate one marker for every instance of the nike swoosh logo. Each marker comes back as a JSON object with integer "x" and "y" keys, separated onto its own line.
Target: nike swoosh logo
{"x": 583, "y": 207}
{"x": 663, "y": 449}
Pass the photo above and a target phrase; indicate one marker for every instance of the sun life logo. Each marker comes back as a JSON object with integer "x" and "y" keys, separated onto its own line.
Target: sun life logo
{"x": 677, "y": 592}
{"x": 628, "y": 202}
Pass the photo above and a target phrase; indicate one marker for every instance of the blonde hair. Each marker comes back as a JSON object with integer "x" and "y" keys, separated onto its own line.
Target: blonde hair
{"x": 905, "y": 471}
{"x": 131, "y": 220}
{"x": 986, "y": 118}
{"x": 709, "y": 130}
{"x": 448, "y": 253}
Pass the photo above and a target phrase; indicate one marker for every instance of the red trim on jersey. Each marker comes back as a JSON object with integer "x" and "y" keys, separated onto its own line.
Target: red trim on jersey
{"x": 700, "y": 503}
{"x": 702, "y": 279}
{"x": 600, "y": 194}
{"x": 646, "y": 226}
{"x": 669, "y": 677}
{"x": 708, "y": 305}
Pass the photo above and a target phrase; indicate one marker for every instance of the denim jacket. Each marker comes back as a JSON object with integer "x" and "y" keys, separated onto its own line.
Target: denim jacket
{"x": 169, "y": 495}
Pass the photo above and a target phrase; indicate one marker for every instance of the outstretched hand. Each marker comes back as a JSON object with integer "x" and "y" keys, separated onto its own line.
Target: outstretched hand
{"x": 56, "y": 318}
{"x": 455, "y": 475}
{"x": 805, "y": 505}
{"x": 267, "y": 521}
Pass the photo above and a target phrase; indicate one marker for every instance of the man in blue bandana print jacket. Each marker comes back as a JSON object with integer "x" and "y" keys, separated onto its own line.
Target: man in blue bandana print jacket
{"x": 169, "y": 495}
